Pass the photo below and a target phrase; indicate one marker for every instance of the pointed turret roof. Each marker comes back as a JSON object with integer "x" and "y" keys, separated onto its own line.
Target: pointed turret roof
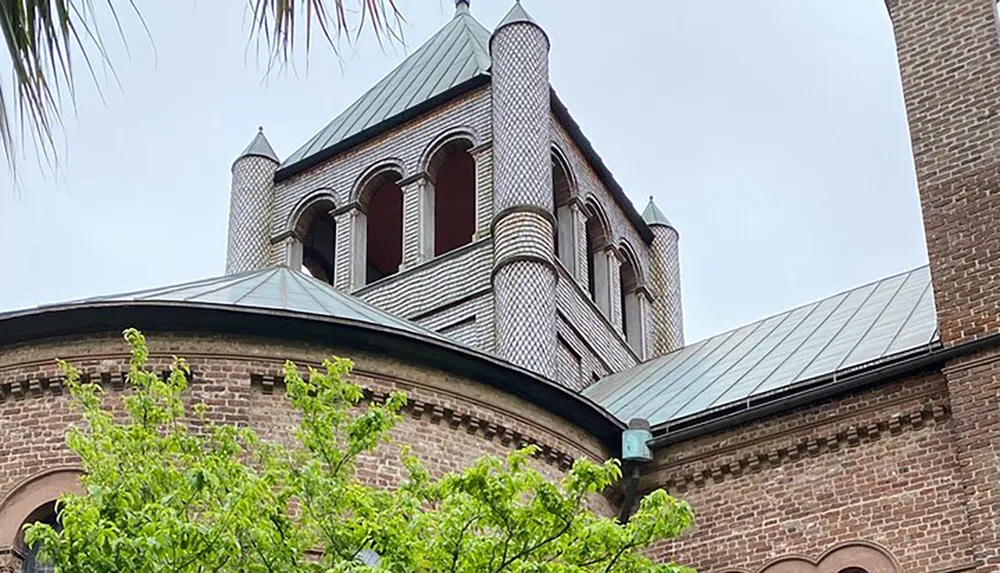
{"x": 259, "y": 147}
{"x": 653, "y": 216}
{"x": 449, "y": 62}
{"x": 516, "y": 14}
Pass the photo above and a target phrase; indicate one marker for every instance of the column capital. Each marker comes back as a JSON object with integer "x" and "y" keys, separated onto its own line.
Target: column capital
{"x": 421, "y": 177}
{"x": 347, "y": 208}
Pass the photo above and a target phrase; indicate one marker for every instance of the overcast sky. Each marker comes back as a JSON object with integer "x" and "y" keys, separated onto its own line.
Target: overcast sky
{"x": 772, "y": 133}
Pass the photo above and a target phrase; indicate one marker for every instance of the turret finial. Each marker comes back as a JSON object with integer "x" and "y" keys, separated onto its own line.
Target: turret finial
{"x": 461, "y": 6}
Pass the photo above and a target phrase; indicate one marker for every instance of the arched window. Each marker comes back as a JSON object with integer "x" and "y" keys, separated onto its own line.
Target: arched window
{"x": 598, "y": 277}
{"x": 318, "y": 232}
{"x": 630, "y": 304}
{"x": 44, "y": 514}
{"x": 383, "y": 200}
{"x": 453, "y": 172}
{"x": 561, "y": 194}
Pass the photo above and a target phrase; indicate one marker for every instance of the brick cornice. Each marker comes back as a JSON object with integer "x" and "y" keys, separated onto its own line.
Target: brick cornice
{"x": 115, "y": 379}
{"x": 681, "y": 476}
{"x": 454, "y": 419}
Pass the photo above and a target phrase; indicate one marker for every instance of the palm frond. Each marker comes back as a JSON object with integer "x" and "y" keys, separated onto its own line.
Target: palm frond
{"x": 43, "y": 37}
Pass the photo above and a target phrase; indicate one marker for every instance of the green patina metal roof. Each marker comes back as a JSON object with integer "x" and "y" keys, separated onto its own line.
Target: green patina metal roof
{"x": 457, "y": 53}
{"x": 516, "y": 14}
{"x": 653, "y": 216}
{"x": 260, "y": 147}
{"x": 276, "y": 288}
{"x": 850, "y": 331}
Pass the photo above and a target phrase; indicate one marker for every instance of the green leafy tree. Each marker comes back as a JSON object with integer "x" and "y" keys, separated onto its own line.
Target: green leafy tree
{"x": 166, "y": 489}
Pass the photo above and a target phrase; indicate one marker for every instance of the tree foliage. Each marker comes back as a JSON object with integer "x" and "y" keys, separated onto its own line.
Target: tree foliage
{"x": 167, "y": 489}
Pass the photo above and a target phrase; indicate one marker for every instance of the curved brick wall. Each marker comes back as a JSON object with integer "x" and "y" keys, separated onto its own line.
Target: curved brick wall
{"x": 449, "y": 422}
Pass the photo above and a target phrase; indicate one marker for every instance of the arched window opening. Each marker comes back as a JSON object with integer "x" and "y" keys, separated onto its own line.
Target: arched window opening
{"x": 318, "y": 231}
{"x": 563, "y": 240}
{"x": 593, "y": 234}
{"x": 598, "y": 277}
{"x": 853, "y": 570}
{"x": 384, "y": 235}
{"x": 630, "y": 304}
{"x": 44, "y": 514}
{"x": 453, "y": 171}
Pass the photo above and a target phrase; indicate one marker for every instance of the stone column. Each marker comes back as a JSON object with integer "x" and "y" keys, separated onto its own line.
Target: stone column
{"x": 615, "y": 288}
{"x": 418, "y": 220}
{"x": 352, "y": 247}
{"x": 483, "y": 156}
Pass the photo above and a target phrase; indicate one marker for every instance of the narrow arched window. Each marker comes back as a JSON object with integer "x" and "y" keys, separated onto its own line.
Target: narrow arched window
{"x": 453, "y": 172}
{"x": 631, "y": 318}
{"x": 561, "y": 195}
{"x": 598, "y": 275}
{"x": 384, "y": 233}
{"x": 44, "y": 514}
{"x": 317, "y": 230}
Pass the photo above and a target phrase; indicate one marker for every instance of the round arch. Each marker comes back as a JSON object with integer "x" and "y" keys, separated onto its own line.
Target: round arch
{"x": 312, "y": 203}
{"x": 451, "y": 170}
{"x": 464, "y": 136}
{"x": 316, "y": 231}
{"x": 369, "y": 181}
{"x": 31, "y": 494}
{"x": 564, "y": 185}
{"x": 851, "y": 556}
{"x": 380, "y": 199}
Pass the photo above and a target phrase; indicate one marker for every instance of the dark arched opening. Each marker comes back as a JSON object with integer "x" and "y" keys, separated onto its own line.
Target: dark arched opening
{"x": 45, "y": 514}
{"x": 563, "y": 240}
{"x": 318, "y": 232}
{"x": 631, "y": 321}
{"x": 453, "y": 171}
{"x": 384, "y": 207}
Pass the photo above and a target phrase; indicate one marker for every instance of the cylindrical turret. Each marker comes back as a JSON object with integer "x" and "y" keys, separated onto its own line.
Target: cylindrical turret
{"x": 250, "y": 207}
{"x": 524, "y": 274}
{"x": 665, "y": 278}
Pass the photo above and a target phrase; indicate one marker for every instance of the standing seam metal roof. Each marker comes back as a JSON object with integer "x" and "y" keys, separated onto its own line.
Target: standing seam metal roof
{"x": 861, "y": 327}
{"x": 276, "y": 288}
{"x": 457, "y": 53}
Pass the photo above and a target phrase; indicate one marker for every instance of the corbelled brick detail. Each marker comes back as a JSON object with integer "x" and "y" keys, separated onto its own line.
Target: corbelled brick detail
{"x": 876, "y": 466}
{"x": 449, "y": 422}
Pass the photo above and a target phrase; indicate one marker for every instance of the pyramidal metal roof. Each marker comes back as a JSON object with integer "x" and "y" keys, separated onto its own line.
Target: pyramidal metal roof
{"x": 653, "y": 216}
{"x": 260, "y": 147}
{"x": 457, "y": 53}
{"x": 856, "y": 329}
{"x": 276, "y": 288}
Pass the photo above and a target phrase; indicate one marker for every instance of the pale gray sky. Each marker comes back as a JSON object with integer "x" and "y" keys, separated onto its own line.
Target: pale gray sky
{"x": 772, "y": 134}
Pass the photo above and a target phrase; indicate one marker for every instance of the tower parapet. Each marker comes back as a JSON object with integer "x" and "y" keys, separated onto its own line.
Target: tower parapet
{"x": 250, "y": 203}
{"x": 524, "y": 274}
{"x": 665, "y": 278}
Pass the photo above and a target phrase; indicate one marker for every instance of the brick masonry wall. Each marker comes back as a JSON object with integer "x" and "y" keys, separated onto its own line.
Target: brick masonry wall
{"x": 949, "y": 60}
{"x": 878, "y": 466}
{"x": 579, "y": 314}
{"x": 470, "y": 322}
{"x": 450, "y": 422}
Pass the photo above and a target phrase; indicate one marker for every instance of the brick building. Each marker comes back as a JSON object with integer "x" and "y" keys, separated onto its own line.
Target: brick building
{"x": 455, "y": 233}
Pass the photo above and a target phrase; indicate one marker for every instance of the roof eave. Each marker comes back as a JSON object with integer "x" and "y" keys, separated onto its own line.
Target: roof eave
{"x": 581, "y": 141}
{"x": 922, "y": 359}
{"x": 77, "y": 319}
{"x": 310, "y": 161}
